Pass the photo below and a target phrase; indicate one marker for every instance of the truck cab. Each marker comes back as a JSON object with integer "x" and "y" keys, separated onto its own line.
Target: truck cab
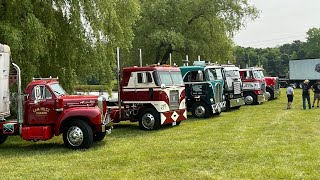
{"x": 46, "y": 110}
{"x": 233, "y": 86}
{"x": 254, "y": 85}
{"x": 273, "y": 87}
{"x": 204, "y": 89}
{"x": 152, "y": 95}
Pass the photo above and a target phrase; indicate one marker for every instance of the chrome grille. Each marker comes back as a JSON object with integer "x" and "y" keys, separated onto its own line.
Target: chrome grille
{"x": 218, "y": 94}
{"x": 236, "y": 87}
{"x": 276, "y": 84}
{"x": 263, "y": 86}
{"x": 174, "y": 99}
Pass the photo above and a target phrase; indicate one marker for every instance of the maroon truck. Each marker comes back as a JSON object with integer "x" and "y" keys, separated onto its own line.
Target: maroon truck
{"x": 46, "y": 110}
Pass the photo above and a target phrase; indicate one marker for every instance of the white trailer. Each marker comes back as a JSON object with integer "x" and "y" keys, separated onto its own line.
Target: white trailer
{"x": 4, "y": 81}
{"x": 299, "y": 70}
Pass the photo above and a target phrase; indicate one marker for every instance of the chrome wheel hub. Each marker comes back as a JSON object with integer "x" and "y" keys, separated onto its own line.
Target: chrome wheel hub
{"x": 248, "y": 100}
{"x": 75, "y": 136}
{"x": 200, "y": 111}
{"x": 148, "y": 121}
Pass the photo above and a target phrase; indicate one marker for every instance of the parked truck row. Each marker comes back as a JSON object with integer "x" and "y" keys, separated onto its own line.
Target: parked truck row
{"x": 153, "y": 96}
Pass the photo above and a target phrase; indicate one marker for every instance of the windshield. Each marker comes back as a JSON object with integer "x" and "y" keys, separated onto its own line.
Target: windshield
{"x": 57, "y": 89}
{"x": 214, "y": 74}
{"x": 258, "y": 74}
{"x": 232, "y": 73}
{"x": 170, "y": 78}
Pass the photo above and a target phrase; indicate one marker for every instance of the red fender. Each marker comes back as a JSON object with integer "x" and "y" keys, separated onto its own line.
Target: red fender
{"x": 91, "y": 113}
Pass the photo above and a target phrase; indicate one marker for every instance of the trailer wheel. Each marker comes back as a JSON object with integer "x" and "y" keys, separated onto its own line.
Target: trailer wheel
{"x": 78, "y": 135}
{"x": 99, "y": 136}
{"x": 250, "y": 99}
{"x": 200, "y": 110}
{"x": 271, "y": 93}
{"x": 3, "y": 138}
{"x": 149, "y": 119}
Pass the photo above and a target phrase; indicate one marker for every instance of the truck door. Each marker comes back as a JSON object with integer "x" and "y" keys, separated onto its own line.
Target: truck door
{"x": 40, "y": 106}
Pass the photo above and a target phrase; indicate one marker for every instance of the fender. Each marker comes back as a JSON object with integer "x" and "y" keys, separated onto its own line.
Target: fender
{"x": 91, "y": 113}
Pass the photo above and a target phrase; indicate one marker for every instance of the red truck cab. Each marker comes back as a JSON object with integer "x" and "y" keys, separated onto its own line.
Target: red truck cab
{"x": 49, "y": 111}
{"x": 254, "y": 85}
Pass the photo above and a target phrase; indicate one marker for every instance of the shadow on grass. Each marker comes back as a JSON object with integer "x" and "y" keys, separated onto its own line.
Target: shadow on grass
{"x": 125, "y": 130}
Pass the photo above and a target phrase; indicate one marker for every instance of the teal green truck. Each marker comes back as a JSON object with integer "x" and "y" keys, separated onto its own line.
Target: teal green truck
{"x": 204, "y": 85}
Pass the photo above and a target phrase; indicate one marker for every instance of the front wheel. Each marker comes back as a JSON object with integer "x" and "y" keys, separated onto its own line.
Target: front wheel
{"x": 3, "y": 138}
{"x": 78, "y": 135}
{"x": 200, "y": 110}
{"x": 271, "y": 94}
{"x": 250, "y": 99}
{"x": 149, "y": 119}
{"x": 99, "y": 136}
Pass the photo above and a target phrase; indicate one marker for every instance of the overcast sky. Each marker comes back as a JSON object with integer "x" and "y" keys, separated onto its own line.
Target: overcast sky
{"x": 280, "y": 22}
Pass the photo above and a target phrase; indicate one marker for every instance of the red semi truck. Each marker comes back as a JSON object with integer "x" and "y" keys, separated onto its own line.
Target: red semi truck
{"x": 273, "y": 87}
{"x": 151, "y": 95}
{"x": 46, "y": 110}
{"x": 254, "y": 85}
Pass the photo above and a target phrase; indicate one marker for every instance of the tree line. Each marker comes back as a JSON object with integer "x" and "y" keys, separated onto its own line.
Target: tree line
{"x": 76, "y": 40}
{"x": 275, "y": 60}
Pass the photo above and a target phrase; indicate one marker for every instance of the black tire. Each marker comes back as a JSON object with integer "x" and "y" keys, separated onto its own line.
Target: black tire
{"x": 78, "y": 135}
{"x": 251, "y": 102}
{"x": 178, "y": 123}
{"x": 149, "y": 119}
{"x": 99, "y": 136}
{"x": 200, "y": 110}
{"x": 271, "y": 94}
{"x": 3, "y": 138}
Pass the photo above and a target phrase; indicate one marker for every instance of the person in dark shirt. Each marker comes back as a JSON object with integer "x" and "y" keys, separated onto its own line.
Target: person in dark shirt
{"x": 316, "y": 90}
{"x": 305, "y": 94}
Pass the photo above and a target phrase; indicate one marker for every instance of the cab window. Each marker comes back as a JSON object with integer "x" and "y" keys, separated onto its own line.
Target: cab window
{"x": 44, "y": 93}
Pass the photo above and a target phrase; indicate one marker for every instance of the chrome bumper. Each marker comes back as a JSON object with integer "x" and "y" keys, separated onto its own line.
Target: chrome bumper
{"x": 236, "y": 102}
{"x": 218, "y": 107}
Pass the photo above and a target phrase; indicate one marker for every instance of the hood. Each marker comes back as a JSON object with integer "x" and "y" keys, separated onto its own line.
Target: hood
{"x": 78, "y": 100}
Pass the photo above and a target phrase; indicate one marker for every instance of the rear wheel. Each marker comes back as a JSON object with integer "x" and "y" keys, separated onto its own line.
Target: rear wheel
{"x": 78, "y": 135}
{"x": 149, "y": 119}
{"x": 99, "y": 136}
{"x": 3, "y": 138}
{"x": 200, "y": 110}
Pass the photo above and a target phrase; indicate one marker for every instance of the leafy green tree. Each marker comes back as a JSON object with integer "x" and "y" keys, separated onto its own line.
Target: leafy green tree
{"x": 70, "y": 39}
{"x": 189, "y": 27}
{"x": 313, "y": 43}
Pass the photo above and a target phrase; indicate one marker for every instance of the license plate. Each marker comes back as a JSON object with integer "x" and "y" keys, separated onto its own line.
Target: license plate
{"x": 174, "y": 123}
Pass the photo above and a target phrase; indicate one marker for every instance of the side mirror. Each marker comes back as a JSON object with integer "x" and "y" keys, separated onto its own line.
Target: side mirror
{"x": 37, "y": 94}
{"x": 144, "y": 78}
{"x": 200, "y": 76}
{"x": 163, "y": 86}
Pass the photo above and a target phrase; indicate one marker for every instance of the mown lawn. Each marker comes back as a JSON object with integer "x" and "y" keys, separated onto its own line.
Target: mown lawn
{"x": 256, "y": 142}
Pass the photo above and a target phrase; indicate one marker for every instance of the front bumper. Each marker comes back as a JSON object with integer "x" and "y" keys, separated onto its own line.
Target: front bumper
{"x": 236, "y": 102}
{"x": 171, "y": 117}
{"x": 107, "y": 126}
{"x": 218, "y": 107}
{"x": 262, "y": 97}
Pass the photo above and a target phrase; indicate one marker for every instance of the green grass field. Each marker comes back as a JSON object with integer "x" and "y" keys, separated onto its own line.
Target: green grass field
{"x": 256, "y": 142}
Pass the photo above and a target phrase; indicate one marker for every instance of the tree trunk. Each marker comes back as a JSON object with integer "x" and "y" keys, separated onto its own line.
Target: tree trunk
{"x": 166, "y": 56}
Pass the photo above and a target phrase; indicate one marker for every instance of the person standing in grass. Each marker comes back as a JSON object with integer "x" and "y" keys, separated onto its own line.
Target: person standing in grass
{"x": 305, "y": 94}
{"x": 290, "y": 94}
{"x": 316, "y": 90}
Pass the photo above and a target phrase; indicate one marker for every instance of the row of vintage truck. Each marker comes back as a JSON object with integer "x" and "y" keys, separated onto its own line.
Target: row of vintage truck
{"x": 153, "y": 96}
